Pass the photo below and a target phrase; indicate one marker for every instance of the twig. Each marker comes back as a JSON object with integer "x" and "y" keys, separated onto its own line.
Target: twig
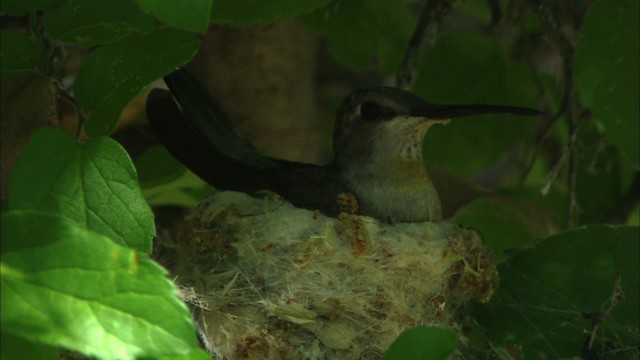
{"x": 573, "y": 168}
{"x": 553, "y": 173}
{"x": 432, "y": 10}
{"x": 81, "y": 119}
{"x": 541, "y": 135}
{"x": 496, "y": 11}
{"x": 35, "y": 27}
{"x": 569, "y": 103}
{"x": 598, "y": 318}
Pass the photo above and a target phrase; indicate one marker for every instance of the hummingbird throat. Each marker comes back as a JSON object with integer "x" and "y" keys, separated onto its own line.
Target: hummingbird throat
{"x": 394, "y": 183}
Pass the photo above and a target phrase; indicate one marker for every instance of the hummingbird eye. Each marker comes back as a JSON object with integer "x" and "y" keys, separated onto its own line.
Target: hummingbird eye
{"x": 369, "y": 110}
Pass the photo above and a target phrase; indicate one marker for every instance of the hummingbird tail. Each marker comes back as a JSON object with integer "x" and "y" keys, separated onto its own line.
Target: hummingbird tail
{"x": 195, "y": 130}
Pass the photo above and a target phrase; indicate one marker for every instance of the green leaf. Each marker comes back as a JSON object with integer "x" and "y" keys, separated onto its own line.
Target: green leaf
{"x": 248, "y": 12}
{"x": 93, "y": 184}
{"x": 113, "y": 74}
{"x": 185, "y": 191}
{"x": 88, "y": 23}
{"x": 601, "y": 171}
{"x": 506, "y": 224}
{"x": 68, "y": 286}
{"x": 156, "y": 166}
{"x": 423, "y": 342}
{"x": 606, "y": 71}
{"x": 196, "y": 354}
{"x": 190, "y": 15}
{"x": 365, "y": 34}
{"x": 22, "y": 7}
{"x": 18, "y": 54}
{"x": 472, "y": 68}
{"x": 546, "y": 291}
{"x": 165, "y": 181}
{"x": 16, "y": 347}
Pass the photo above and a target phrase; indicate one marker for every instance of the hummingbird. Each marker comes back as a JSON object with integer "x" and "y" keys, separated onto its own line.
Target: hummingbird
{"x": 377, "y": 148}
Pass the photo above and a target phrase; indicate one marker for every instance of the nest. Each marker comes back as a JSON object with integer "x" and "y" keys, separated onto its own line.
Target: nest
{"x": 271, "y": 281}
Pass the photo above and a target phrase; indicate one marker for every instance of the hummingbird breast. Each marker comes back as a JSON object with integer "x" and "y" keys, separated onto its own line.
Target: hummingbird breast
{"x": 383, "y": 168}
{"x": 401, "y": 192}
{"x": 392, "y": 183}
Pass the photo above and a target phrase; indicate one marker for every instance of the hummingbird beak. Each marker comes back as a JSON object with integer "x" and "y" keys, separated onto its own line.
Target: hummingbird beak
{"x": 434, "y": 111}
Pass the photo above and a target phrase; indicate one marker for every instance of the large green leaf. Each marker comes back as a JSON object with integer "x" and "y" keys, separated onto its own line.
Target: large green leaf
{"x": 67, "y": 286}
{"x": 248, "y": 12}
{"x": 88, "y": 23}
{"x": 423, "y": 343}
{"x": 192, "y": 15}
{"x": 606, "y": 71}
{"x": 22, "y": 7}
{"x": 113, "y": 74}
{"x": 18, "y": 53}
{"x": 506, "y": 223}
{"x": 472, "y": 68}
{"x": 547, "y": 291}
{"x": 94, "y": 184}
{"x": 365, "y": 34}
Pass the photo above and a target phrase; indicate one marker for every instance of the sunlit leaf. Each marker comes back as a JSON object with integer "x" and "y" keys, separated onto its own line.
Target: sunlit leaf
{"x": 65, "y": 285}
{"x": 94, "y": 184}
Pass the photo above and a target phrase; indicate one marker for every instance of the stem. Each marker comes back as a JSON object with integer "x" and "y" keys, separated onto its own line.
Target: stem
{"x": 36, "y": 29}
{"x": 549, "y": 16}
{"x": 80, "y": 114}
{"x": 496, "y": 11}
{"x": 598, "y": 318}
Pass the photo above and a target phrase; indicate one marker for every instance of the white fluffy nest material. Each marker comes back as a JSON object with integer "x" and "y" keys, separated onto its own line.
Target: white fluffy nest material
{"x": 272, "y": 281}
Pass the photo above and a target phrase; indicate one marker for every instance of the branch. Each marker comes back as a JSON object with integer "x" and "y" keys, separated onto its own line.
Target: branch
{"x": 72, "y": 100}
{"x": 569, "y": 106}
{"x": 496, "y": 11}
{"x": 432, "y": 11}
{"x": 597, "y": 318}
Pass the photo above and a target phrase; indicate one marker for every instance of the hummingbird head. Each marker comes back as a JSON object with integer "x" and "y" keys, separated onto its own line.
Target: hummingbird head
{"x": 395, "y": 122}
{"x": 380, "y": 117}
{"x": 378, "y": 149}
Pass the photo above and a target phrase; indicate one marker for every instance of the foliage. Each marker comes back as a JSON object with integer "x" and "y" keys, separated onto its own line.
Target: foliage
{"x": 435, "y": 343}
{"x": 96, "y": 288}
{"x": 553, "y": 299}
{"x": 77, "y": 225}
{"x": 361, "y": 32}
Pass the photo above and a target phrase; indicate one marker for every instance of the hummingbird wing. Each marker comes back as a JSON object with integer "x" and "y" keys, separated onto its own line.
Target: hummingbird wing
{"x": 196, "y": 131}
